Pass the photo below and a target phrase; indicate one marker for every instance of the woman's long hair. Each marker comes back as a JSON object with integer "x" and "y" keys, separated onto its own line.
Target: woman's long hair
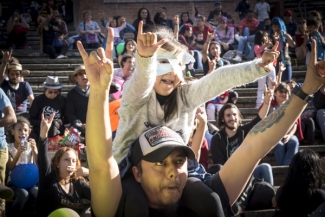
{"x": 188, "y": 21}
{"x": 56, "y": 161}
{"x": 305, "y": 175}
{"x": 278, "y": 21}
{"x": 259, "y": 37}
{"x": 186, "y": 27}
{"x": 148, "y": 19}
{"x": 125, "y": 45}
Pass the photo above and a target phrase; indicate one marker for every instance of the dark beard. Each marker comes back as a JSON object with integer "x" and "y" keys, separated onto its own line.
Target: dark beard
{"x": 230, "y": 128}
{"x": 14, "y": 83}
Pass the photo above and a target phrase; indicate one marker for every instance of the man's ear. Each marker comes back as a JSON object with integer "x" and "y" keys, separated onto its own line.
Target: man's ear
{"x": 136, "y": 174}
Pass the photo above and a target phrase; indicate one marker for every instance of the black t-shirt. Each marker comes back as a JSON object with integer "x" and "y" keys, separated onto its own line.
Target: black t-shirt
{"x": 51, "y": 196}
{"x": 18, "y": 98}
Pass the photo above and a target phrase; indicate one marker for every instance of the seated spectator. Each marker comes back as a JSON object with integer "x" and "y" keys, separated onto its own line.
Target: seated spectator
{"x": 19, "y": 154}
{"x": 313, "y": 33}
{"x": 291, "y": 25}
{"x": 302, "y": 38}
{"x": 130, "y": 47}
{"x": 51, "y": 101}
{"x": 319, "y": 103}
{"x": 121, "y": 75}
{"x": 246, "y": 47}
{"x": 33, "y": 10}
{"x": 211, "y": 52}
{"x": 302, "y": 190}
{"x": 216, "y": 104}
{"x": 231, "y": 23}
{"x": 18, "y": 92}
{"x": 232, "y": 134}
{"x": 289, "y": 144}
{"x": 262, "y": 10}
{"x": 263, "y": 42}
{"x": 120, "y": 20}
{"x": 186, "y": 17}
{"x": 144, "y": 15}
{"x": 77, "y": 99}
{"x": 279, "y": 34}
{"x": 160, "y": 18}
{"x": 112, "y": 23}
{"x": 248, "y": 25}
{"x": 202, "y": 27}
{"x": 242, "y": 8}
{"x": 214, "y": 22}
{"x": 53, "y": 44}
{"x": 89, "y": 30}
{"x": 217, "y": 7}
{"x": 224, "y": 35}
{"x": 199, "y": 42}
{"x": 61, "y": 184}
{"x": 17, "y": 30}
{"x": 317, "y": 16}
{"x": 60, "y": 32}
{"x": 186, "y": 37}
{"x": 44, "y": 10}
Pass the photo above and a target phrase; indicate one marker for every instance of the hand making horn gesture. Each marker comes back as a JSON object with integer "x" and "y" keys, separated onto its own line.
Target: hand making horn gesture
{"x": 147, "y": 43}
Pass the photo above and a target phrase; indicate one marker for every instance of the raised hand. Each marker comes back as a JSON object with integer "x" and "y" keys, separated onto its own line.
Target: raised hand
{"x": 147, "y": 44}
{"x": 176, "y": 20}
{"x": 268, "y": 93}
{"x": 315, "y": 76}
{"x": 99, "y": 68}
{"x": 6, "y": 56}
{"x": 45, "y": 125}
{"x": 269, "y": 56}
{"x": 281, "y": 67}
{"x": 210, "y": 36}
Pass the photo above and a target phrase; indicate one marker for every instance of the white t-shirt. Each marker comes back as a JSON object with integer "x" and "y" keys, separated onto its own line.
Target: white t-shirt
{"x": 262, "y": 9}
{"x": 13, "y": 151}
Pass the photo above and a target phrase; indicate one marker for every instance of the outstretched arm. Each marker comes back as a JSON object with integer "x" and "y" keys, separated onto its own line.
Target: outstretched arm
{"x": 6, "y": 58}
{"x": 105, "y": 181}
{"x": 268, "y": 132}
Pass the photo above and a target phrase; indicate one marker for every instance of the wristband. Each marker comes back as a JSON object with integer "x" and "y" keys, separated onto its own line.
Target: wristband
{"x": 302, "y": 95}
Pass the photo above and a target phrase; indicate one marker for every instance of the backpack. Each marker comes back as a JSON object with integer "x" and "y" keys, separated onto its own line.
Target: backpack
{"x": 257, "y": 195}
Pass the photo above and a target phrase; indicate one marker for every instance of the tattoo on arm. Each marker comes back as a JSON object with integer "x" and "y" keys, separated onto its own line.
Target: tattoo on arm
{"x": 270, "y": 120}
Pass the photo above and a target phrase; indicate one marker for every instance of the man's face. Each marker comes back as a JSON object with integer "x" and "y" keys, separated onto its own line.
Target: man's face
{"x": 217, "y": 7}
{"x": 249, "y": 17}
{"x": 231, "y": 118}
{"x": 14, "y": 76}
{"x": 215, "y": 50}
{"x": 163, "y": 182}
{"x": 199, "y": 22}
{"x": 287, "y": 18}
{"x": 128, "y": 66}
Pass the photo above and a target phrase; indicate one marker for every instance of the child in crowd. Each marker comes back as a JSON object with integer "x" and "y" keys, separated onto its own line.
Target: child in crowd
{"x": 262, "y": 42}
{"x": 313, "y": 30}
{"x": 112, "y": 23}
{"x": 130, "y": 47}
{"x": 20, "y": 155}
{"x": 216, "y": 103}
{"x": 231, "y": 22}
{"x": 199, "y": 42}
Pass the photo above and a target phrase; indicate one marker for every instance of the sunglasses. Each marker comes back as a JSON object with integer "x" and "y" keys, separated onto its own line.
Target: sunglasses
{"x": 80, "y": 73}
{"x": 53, "y": 92}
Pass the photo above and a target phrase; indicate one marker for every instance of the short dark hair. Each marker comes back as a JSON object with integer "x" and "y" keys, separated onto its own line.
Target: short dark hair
{"x": 249, "y": 11}
{"x": 201, "y": 17}
{"x": 282, "y": 86}
{"x": 313, "y": 22}
{"x": 198, "y": 33}
{"x": 221, "y": 115}
{"x": 125, "y": 58}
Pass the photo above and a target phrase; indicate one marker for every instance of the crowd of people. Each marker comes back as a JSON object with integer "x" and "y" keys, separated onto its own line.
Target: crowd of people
{"x": 146, "y": 123}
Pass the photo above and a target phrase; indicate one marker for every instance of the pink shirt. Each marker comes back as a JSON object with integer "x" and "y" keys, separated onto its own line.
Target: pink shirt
{"x": 251, "y": 25}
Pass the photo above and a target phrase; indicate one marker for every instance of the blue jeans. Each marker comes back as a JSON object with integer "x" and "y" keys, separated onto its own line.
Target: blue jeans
{"x": 246, "y": 32}
{"x": 208, "y": 137}
{"x": 286, "y": 74}
{"x": 320, "y": 118}
{"x": 245, "y": 47}
{"x": 21, "y": 196}
{"x": 283, "y": 153}
{"x": 264, "y": 171}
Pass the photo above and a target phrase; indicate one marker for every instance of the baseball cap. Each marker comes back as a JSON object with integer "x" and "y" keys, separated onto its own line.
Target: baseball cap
{"x": 217, "y": 3}
{"x": 156, "y": 144}
{"x": 5, "y": 192}
{"x": 287, "y": 12}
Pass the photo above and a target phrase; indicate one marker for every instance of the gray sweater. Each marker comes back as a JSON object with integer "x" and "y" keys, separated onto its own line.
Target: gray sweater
{"x": 140, "y": 110}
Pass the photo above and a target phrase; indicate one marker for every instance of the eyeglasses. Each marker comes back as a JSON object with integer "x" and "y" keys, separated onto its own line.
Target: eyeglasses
{"x": 53, "y": 92}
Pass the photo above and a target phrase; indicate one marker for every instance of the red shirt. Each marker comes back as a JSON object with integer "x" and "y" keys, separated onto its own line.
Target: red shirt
{"x": 207, "y": 29}
{"x": 251, "y": 25}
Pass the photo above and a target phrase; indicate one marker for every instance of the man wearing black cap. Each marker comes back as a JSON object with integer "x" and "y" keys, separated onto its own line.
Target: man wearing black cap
{"x": 218, "y": 7}
{"x": 159, "y": 153}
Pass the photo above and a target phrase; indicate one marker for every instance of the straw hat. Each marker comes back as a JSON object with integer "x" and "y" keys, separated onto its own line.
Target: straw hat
{"x": 52, "y": 82}
{"x": 16, "y": 66}
{"x": 76, "y": 71}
